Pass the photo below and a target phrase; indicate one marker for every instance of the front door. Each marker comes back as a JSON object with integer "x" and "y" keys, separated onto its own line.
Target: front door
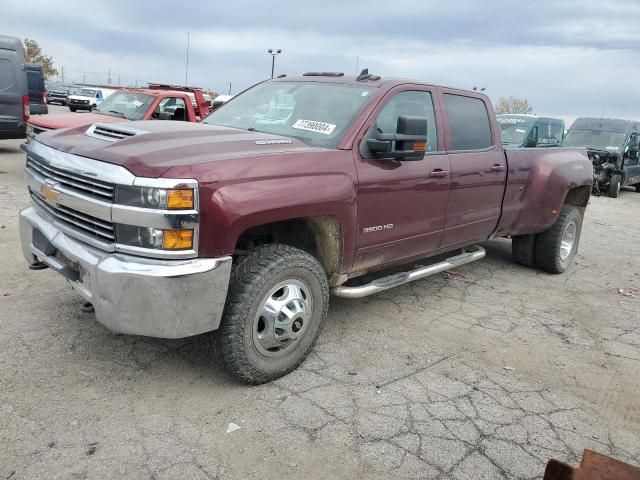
{"x": 478, "y": 171}
{"x": 401, "y": 204}
{"x": 631, "y": 161}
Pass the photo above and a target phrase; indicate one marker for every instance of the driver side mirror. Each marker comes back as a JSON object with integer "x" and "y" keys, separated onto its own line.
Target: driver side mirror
{"x": 409, "y": 143}
{"x": 532, "y": 139}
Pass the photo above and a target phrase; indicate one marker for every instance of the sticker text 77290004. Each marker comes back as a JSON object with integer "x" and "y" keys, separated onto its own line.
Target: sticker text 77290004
{"x": 313, "y": 126}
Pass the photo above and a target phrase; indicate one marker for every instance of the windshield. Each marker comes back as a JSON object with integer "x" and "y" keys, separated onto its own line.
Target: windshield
{"x": 315, "y": 113}
{"x": 129, "y": 105}
{"x": 595, "y": 139}
{"x": 514, "y": 130}
{"x": 86, "y": 92}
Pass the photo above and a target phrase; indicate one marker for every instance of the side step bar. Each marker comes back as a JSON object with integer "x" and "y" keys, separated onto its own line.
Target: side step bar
{"x": 469, "y": 255}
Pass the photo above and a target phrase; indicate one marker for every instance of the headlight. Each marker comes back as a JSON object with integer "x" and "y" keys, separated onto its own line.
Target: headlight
{"x": 155, "y": 238}
{"x": 157, "y": 198}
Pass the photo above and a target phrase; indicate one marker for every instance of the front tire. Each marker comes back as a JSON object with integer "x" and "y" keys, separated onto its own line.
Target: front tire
{"x": 73, "y": 109}
{"x": 557, "y": 247}
{"x": 637, "y": 187}
{"x": 614, "y": 186}
{"x": 277, "y": 302}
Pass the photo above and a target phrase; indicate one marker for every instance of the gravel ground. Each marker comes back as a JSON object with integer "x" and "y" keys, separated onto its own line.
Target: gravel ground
{"x": 485, "y": 373}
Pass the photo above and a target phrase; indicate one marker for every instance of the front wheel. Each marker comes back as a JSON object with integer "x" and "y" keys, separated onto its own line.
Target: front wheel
{"x": 614, "y": 186}
{"x": 73, "y": 109}
{"x": 277, "y": 302}
{"x": 637, "y": 187}
{"x": 557, "y": 247}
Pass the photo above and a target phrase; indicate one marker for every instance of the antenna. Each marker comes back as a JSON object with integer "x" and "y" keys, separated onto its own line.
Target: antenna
{"x": 186, "y": 71}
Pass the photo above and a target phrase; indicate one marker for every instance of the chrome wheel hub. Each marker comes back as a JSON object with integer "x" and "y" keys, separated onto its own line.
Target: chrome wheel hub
{"x": 283, "y": 318}
{"x": 568, "y": 239}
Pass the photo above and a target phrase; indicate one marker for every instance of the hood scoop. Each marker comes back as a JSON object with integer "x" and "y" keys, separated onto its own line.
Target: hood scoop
{"x": 111, "y": 132}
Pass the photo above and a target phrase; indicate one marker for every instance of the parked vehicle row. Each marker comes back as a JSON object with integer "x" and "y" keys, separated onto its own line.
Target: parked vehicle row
{"x": 159, "y": 102}
{"x": 244, "y": 223}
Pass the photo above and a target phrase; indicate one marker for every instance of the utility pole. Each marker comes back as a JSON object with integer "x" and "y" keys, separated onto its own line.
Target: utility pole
{"x": 186, "y": 70}
{"x": 84, "y": 78}
{"x": 229, "y": 88}
{"x": 62, "y": 69}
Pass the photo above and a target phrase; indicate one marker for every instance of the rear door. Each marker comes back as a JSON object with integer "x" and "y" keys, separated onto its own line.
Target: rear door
{"x": 478, "y": 169}
{"x": 401, "y": 204}
{"x": 12, "y": 89}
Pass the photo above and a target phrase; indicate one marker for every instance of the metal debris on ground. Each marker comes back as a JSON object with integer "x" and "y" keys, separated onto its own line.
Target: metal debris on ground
{"x": 455, "y": 275}
{"x": 233, "y": 427}
{"x": 629, "y": 292}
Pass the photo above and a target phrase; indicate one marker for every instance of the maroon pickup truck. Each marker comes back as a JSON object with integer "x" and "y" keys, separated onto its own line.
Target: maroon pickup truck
{"x": 245, "y": 223}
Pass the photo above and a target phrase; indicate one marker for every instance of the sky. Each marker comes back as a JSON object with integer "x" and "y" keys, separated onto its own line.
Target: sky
{"x": 569, "y": 58}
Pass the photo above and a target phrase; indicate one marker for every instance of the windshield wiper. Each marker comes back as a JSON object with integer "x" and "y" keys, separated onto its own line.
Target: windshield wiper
{"x": 118, "y": 114}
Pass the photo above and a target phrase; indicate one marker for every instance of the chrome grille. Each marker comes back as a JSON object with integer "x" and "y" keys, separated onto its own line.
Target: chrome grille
{"x": 73, "y": 181}
{"x": 70, "y": 218}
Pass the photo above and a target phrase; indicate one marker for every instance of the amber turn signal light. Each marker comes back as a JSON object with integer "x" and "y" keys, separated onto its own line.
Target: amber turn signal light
{"x": 177, "y": 199}
{"x": 177, "y": 240}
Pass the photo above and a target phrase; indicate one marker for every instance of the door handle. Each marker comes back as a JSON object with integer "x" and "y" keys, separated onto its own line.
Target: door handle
{"x": 438, "y": 173}
{"x": 497, "y": 168}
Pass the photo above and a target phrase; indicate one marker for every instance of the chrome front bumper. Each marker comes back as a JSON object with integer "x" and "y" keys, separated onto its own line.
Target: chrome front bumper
{"x": 130, "y": 294}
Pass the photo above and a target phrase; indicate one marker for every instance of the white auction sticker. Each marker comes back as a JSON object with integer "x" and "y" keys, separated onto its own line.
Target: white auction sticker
{"x": 312, "y": 126}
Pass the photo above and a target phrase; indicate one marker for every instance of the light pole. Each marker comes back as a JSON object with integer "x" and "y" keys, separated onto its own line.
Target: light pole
{"x": 273, "y": 58}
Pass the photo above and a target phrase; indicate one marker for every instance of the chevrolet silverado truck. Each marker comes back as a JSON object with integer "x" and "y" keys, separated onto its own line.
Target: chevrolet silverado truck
{"x": 158, "y": 102}
{"x": 244, "y": 224}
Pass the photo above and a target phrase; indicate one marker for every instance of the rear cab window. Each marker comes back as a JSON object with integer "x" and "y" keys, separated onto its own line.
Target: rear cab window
{"x": 469, "y": 124}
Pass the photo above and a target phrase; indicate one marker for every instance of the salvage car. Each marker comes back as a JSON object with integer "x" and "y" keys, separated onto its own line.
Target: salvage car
{"x": 244, "y": 224}
{"x": 527, "y": 131}
{"x": 57, "y": 94}
{"x": 162, "y": 102}
{"x": 613, "y": 147}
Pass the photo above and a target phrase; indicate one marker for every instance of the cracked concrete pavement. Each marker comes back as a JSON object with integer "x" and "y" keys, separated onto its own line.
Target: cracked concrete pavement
{"x": 487, "y": 374}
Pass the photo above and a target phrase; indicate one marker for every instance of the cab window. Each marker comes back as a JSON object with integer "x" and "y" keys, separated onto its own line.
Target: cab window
{"x": 171, "y": 108}
{"x": 550, "y": 133}
{"x": 414, "y": 103}
{"x": 468, "y": 123}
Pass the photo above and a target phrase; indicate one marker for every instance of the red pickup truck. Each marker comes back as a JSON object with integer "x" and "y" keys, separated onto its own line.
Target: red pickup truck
{"x": 158, "y": 102}
{"x": 245, "y": 223}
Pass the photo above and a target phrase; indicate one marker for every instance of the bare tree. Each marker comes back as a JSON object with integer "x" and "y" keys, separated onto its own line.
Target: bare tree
{"x": 34, "y": 55}
{"x": 513, "y": 105}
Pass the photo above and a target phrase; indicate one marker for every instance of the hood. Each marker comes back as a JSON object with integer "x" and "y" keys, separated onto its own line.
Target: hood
{"x": 150, "y": 148}
{"x": 70, "y": 120}
{"x": 80, "y": 97}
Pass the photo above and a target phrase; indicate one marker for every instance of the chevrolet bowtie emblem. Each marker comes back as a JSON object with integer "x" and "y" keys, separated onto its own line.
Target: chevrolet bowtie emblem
{"x": 49, "y": 193}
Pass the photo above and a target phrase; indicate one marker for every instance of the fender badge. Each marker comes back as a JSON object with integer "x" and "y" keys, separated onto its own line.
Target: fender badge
{"x": 274, "y": 141}
{"x": 49, "y": 193}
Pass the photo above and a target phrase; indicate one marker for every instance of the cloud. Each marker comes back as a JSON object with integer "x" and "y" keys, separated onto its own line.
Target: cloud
{"x": 567, "y": 57}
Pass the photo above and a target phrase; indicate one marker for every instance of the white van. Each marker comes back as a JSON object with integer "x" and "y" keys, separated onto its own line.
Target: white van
{"x": 88, "y": 98}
